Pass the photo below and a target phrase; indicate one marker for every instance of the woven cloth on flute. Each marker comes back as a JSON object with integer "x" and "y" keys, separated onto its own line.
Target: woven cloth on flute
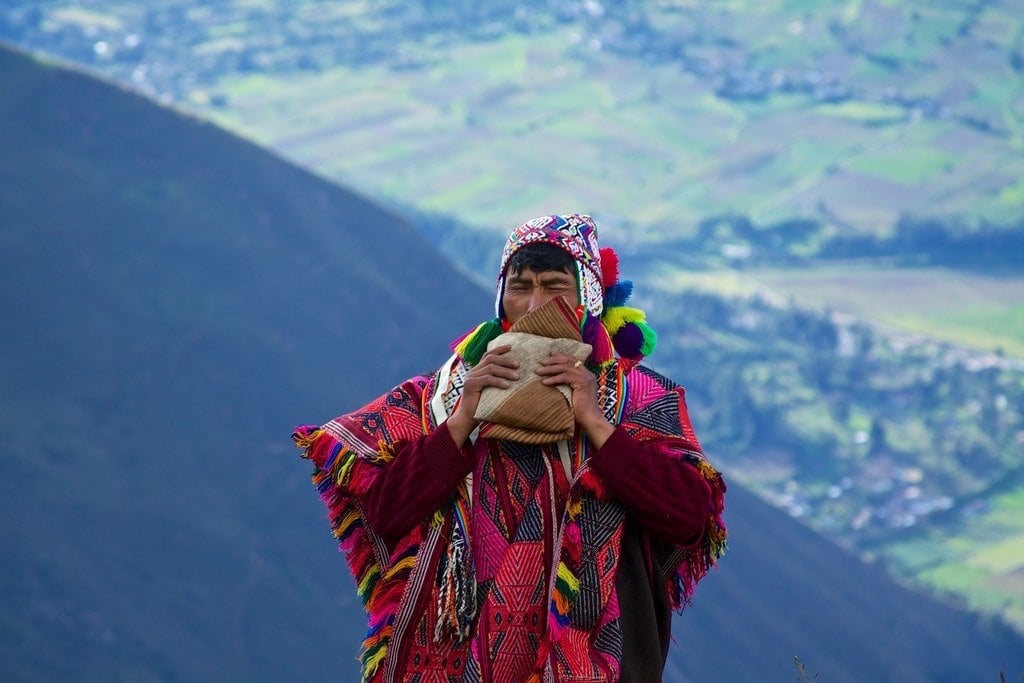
{"x": 530, "y": 411}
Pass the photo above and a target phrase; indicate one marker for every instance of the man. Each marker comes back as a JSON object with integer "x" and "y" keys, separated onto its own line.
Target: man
{"x": 520, "y": 559}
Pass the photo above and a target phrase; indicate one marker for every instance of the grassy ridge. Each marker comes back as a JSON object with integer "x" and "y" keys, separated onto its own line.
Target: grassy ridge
{"x": 981, "y": 561}
{"x": 946, "y": 415}
{"x": 691, "y": 156}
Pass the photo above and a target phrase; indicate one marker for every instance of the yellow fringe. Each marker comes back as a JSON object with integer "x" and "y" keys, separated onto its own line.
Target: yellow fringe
{"x": 706, "y": 469}
{"x": 570, "y": 579}
{"x": 373, "y": 662}
{"x": 385, "y": 453}
{"x": 307, "y": 441}
{"x": 405, "y": 563}
{"x": 343, "y": 469}
{"x": 350, "y": 518}
{"x": 460, "y": 348}
{"x": 373, "y": 572}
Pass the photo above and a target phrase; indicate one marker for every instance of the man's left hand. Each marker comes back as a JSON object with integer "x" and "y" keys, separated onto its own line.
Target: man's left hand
{"x": 566, "y": 370}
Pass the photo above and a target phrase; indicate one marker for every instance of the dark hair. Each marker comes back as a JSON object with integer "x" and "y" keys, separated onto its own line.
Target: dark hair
{"x": 541, "y": 257}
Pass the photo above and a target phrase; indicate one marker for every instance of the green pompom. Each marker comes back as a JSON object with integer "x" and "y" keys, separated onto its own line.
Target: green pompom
{"x": 650, "y": 338}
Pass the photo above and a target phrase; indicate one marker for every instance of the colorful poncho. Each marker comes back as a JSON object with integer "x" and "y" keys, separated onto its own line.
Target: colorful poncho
{"x": 514, "y": 578}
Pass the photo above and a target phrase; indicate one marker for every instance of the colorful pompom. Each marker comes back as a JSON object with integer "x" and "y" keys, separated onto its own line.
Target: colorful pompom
{"x": 615, "y": 318}
{"x": 618, "y": 294}
{"x": 609, "y": 267}
{"x": 650, "y": 338}
{"x": 635, "y": 340}
{"x": 573, "y": 541}
{"x": 628, "y": 340}
{"x": 567, "y": 588}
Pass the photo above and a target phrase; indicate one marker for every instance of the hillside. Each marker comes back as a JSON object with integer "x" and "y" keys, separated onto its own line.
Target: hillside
{"x": 177, "y": 299}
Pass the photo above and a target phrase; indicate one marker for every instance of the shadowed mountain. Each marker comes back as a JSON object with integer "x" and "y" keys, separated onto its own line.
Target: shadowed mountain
{"x": 174, "y": 300}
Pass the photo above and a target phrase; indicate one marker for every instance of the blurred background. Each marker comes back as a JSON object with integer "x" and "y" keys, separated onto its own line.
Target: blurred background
{"x": 222, "y": 219}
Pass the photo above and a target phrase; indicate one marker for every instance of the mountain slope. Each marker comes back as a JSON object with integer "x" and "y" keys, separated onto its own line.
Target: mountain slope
{"x": 176, "y": 300}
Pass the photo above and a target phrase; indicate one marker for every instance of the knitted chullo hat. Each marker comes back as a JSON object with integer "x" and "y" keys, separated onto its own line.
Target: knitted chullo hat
{"x": 575, "y": 234}
{"x": 607, "y": 324}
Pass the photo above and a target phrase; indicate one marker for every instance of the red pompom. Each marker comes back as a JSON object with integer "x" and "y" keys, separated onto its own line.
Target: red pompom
{"x": 609, "y": 267}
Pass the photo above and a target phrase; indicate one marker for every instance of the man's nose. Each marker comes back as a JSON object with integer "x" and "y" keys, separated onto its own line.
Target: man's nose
{"x": 537, "y": 298}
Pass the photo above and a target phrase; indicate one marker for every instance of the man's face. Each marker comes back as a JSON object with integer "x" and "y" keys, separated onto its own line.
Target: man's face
{"x": 529, "y": 290}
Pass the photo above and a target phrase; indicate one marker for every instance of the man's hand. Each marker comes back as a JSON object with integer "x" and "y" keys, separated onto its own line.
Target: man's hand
{"x": 558, "y": 369}
{"x": 495, "y": 369}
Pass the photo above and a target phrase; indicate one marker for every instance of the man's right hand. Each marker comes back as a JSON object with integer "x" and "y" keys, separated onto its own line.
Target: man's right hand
{"x": 495, "y": 369}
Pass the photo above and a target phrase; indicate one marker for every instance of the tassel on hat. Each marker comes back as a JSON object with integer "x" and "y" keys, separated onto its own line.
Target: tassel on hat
{"x": 631, "y": 336}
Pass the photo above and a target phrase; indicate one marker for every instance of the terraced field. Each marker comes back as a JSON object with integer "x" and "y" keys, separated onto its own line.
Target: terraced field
{"x": 652, "y": 115}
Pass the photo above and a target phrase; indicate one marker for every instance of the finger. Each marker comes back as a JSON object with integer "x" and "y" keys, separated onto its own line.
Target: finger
{"x": 558, "y": 359}
{"x": 504, "y": 367}
{"x": 498, "y": 382}
{"x": 491, "y": 380}
{"x": 503, "y": 361}
{"x": 510, "y": 373}
{"x": 562, "y": 375}
{"x": 550, "y": 368}
{"x": 498, "y": 351}
{"x": 498, "y": 356}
